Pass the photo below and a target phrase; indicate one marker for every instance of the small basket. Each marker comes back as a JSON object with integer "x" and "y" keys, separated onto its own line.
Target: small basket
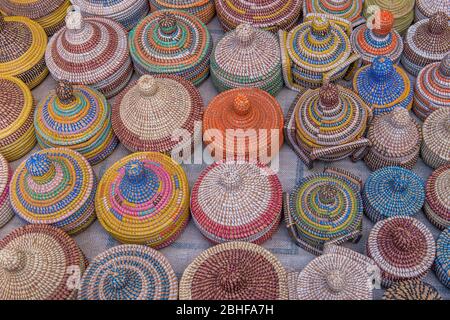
{"x": 403, "y": 12}
{"x": 202, "y": 9}
{"x": 437, "y": 202}
{"x": 435, "y": 148}
{"x": 426, "y": 8}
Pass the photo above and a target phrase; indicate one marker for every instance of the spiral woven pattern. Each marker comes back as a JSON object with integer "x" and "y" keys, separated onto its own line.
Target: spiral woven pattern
{"x": 39, "y": 262}
{"x": 412, "y": 290}
{"x": 403, "y": 12}
{"x": 435, "y": 148}
{"x": 171, "y": 42}
{"x": 347, "y": 9}
{"x": 202, "y": 9}
{"x": 234, "y": 271}
{"x": 426, "y": 8}
{"x": 437, "y": 204}
{"x": 402, "y": 247}
{"x": 55, "y": 186}
{"x": 144, "y": 199}
{"x": 441, "y": 264}
{"x": 78, "y": 118}
{"x": 6, "y": 212}
{"x": 129, "y": 272}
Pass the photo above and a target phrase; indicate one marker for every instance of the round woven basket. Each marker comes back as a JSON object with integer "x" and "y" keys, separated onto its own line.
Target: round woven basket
{"x": 171, "y": 42}
{"x": 427, "y": 41}
{"x": 271, "y": 15}
{"x": 393, "y": 192}
{"x": 395, "y": 139}
{"x": 234, "y": 271}
{"x": 432, "y": 90}
{"x": 383, "y": 86}
{"x": 441, "y": 266}
{"x": 92, "y": 52}
{"x": 250, "y": 123}
{"x": 6, "y": 212}
{"x": 148, "y": 113}
{"x": 48, "y": 13}
{"x": 40, "y": 262}
{"x": 22, "y": 49}
{"x": 247, "y": 57}
{"x": 426, "y": 8}
{"x": 129, "y": 272}
{"x": 144, "y": 199}
{"x": 76, "y": 117}
{"x": 202, "y": 9}
{"x": 412, "y": 290}
{"x": 328, "y": 124}
{"x": 403, "y": 12}
{"x": 338, "y": 274}
{"x": 55, "y": 186}
{"x": 237, "y": 201}
{"x": 437, "y": 202}
{"x": 324, "y": 208}
{"x": 126, "y": 12}
{"x": 436, "y": 139}
{"x": 347, "y": 9}
{"x": 17, "y": 135}
{"x": 402, "y": 247}
{"x": 379, "y": 40}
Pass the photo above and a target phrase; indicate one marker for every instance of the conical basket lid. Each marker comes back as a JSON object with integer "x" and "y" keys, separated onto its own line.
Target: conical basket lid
{"x": 32, "y": 9}
{"x": 437, "y": 189}
{"x": 430, "y": 7}
{"x": 436, "y": 133}
{"x": 348, "y": 9}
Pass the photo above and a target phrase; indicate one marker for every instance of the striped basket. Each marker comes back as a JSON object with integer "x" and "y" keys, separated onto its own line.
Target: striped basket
{"x": 350, "y": 10}
{"x": 415, "y": 290}
{"x": 437, "y": 202}
{"x": 441, "y": 264}
{"x": 436, "y": 139}
{"x": 6, "y": 212}
{"x": 202, "y": 9}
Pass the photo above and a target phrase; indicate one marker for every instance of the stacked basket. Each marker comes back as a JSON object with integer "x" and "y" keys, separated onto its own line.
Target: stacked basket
{"x": 6, "y": 212}
{"x": 437, "y": 204}
{"x": 347, "y": 9}
{"x": 403, "y": 11}
{"x": 435, "y": 148}
{"x": 202, "y": 9}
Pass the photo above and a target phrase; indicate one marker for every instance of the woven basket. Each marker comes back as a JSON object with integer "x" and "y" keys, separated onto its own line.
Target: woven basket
{"x": 432, "y": 90}
{"x": 324, "y": 208}
{"x": 237, "y": 201}
{"x": 402, "y": 247}
{"x": 426, "y": 8}
{"x": 144, "y": 199}
{"x": 350, "y": 10}
{"x": 427, "y": 41}
{"x": 126, "y": 12}
{"x": 6, "y": 212}
{"x": 437, "y": 202}
{"x": 171, "y": 42}
{"x": 234, "y": 271}
{"x": 395, "y": 139}
{"x": 271, "y": 15}
{"x": 40, "y": 262}
{"x": 328, "y": 124}
{"x": 76, "y": 117}
{"x": 403, "y": 11}
{"x": 129, "y": 272}
{"x": 22, "y": 49}
{"x": 380, "y": 40}
{"x": 436, "y": 139}
{"x": 250, "y": 123}
{"x": 441, "y": 266}
{"x": 17, "y": 135}
{"x": 202, "y": 9}
{"x": 92, "y": 52}
{"x": 56, "y": 187}
{"x": 412, "y": 290}
{"x": 393, "y": 192}
{"x": 247, "y": 57}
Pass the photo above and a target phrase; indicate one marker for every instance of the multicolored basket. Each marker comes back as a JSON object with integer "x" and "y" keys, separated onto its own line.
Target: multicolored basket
{"x": 250, "y": 123}
{"x": 147, "y": 114}
{"x": 40, "y": 262}
{"x": 328, "y": 124}
{"x": 402, "y": 247}
{"x": 56, "y": 187}
{"x": 383, "y": 86}
{"x": 247, "y": 57}
{"x": 92, "y": 52}
{"x": 129, "y": 272}
{"x": 379, "y": 40}
{"x": 126, "y": 12}
{"x": 48, "y": 13}
{"x": 338, "y": 274}
{"x": 271, "y": 15}
{"x": 17, "y": 135}
{"x": 315, "y": 51}
{"x": 202, "y": 9}
{"x": 76, "y": 117}
{"x": 395, "y": 139}
{"x": 436, "y": 139}
{"x": 6, "y": 212}
{"x": 432, "y": 90}
{"x": 403, "y": 12}
{"x": 324, "y": 208}
{"x": 427, "y": 41}
{"x": 346, "y": 9}
{"x": 437, "y": 202}
{"x": 22, "y": 49}
{"x": 171, "y": 42}
{"x": 234, "y": 271}
{"x": 412, "y": 290}
{"x": 144, "y": 199}
{"x": 393, "y": 192}
{"x": 426, "y": 8}
{"x": 237, "y": 201}
{"x": 441, "y": 264}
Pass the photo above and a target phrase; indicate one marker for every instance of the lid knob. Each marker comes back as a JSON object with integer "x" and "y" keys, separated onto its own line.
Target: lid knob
{"x": 242, "y": 105}
{"x": 400, "y": 117}
{"x": 134, "y": 171}
{"x": 245, "y": 34}
{"x": 40, "y": 167}
{"x": 230, "y": 179}
{"x": 402, "y": 238}
{"x": 381, "y": 68}
{"x": 385, "y": 23}
{"x": 327, "y": 193}
{"x": 74, "y": 19}
{"x": 398, "y": 184}
{"x": 444, "y": 66}
{"x": 12, "y": 260}
{"x": 335, "y": 280}
{"x": 329, "y": 95}
{"x": 320, "y": 26}
{"x": 231, "y": 279}
{"x": 147, "y": 86}
{"x": 167, "y": 23}
{"x": 117, "y": 279}
{"x": 438, "y": 23}
{"x": 64, "y": 92}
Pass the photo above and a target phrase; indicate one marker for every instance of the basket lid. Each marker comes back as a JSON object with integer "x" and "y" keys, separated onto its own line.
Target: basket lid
{"x": 437, "y": 191}
{"x": 441, "y": 265}
{"x": 234, "y": 271}
{"x": 348, "y": 9}
{"x": 33, "y": 9}
{"x": 237, "y": 201}
{"x": 412, "y": 290}
{"x": 108, "y": 7}
{"x": 436, "y": 132}
{"x": 430, "y": 7}
{"x": 398, "y": 8}
{"x": 39, "y": 262}
{"x": 129, "y": 272}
